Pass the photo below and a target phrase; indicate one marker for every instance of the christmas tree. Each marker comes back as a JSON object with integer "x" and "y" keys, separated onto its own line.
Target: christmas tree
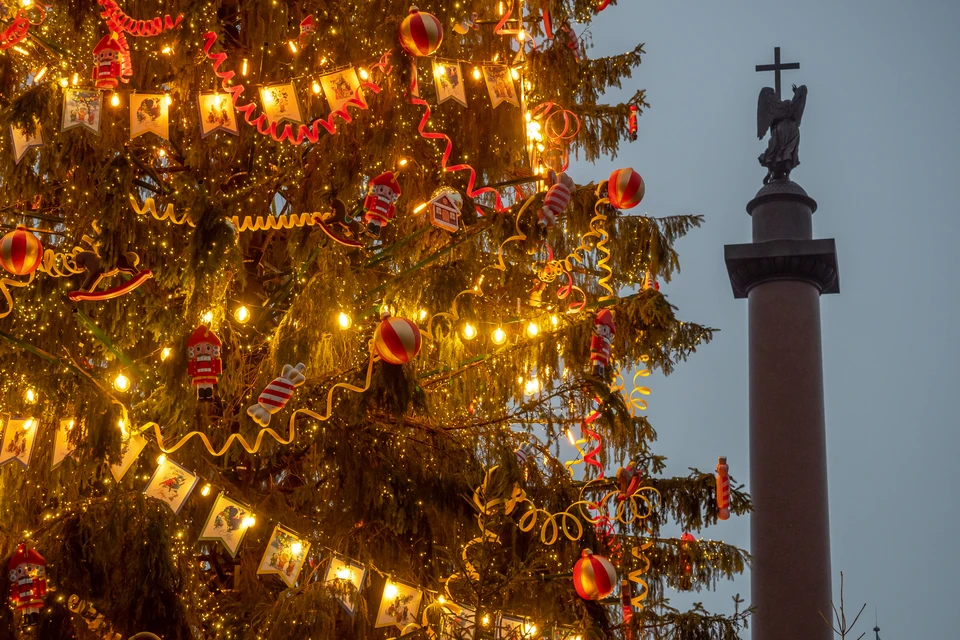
{"x": 301, "y": 310}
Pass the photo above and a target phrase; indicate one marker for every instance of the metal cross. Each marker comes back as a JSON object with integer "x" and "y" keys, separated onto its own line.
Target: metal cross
{"x": 776, "y": 67}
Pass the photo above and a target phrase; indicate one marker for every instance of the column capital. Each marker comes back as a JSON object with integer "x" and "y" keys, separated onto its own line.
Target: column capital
{"x": 811, "y": 261}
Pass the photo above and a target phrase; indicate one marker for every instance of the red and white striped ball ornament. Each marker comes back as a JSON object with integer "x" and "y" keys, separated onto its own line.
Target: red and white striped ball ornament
{"x": 593, "y": 576}
{"x": 397, "y": 340}
{"x": 20, "y": 252}
{"x": 420, "y": 33}
{"x": 625, "y": 188}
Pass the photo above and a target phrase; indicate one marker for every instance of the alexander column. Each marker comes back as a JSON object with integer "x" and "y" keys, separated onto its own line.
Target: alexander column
{"x": 783, "y": 273}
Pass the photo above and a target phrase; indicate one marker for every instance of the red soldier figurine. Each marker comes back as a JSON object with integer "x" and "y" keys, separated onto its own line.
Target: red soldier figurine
{"x": 205, "y": 367}
{"x": 306, "y": 30}
{"x": 378, "y": 209}
{"x": 600, "y": 343}
{"x": 108, "y": 57}
{"x": 28, "y": 583}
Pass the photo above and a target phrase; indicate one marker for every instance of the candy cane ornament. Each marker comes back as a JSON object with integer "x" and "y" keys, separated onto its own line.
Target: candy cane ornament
{"x": 276, "y": 394}
{"x": 723, "y": 489}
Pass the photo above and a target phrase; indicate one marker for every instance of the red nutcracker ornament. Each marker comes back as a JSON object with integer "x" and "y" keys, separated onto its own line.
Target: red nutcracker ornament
{"x": 108, "y": 58}
{"x": 28, "y": 583}
{"x": 205, "y": 367}
{"x": 600, "y": 344}
{"x": 556, "y": 200}
{"x": 306, "y": 30}
{"x": 378, "y": 209}
{"x": 723, "y": 489}
{"x": 633, "y": 123}
{"x": 686, "y": 580}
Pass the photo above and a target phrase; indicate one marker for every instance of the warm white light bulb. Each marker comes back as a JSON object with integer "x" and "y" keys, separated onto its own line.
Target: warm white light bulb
{"x": 476, "y": 73}
{"x": 242, "y": 314}
{"x": 161, "y": 459}
{"x": 363, "y": 74}
{"x": 115, "y": 99}
{"x": 533, "y": 329}
{"x": 206, "y": 490}
{"x": 531, "y": 386}
{"x": 499, "y": 336}
{"x": 168, "y": 100}
{"x": 121, "y": 382}
{"x": 469, "y": 331}
{"x": 390, "y": 591}
{"x": 165, "y": 353}
{"x": 296, "y": 548}
{"x": 207, "y": 317}
{"x": 344, "y": 320}
{"x": 248, "y": 522}
{"x": 344, "y": 573}
{"x": 315, "y": 87}
{"x": 555, "y": 320}
{"x": 30, "y": 396}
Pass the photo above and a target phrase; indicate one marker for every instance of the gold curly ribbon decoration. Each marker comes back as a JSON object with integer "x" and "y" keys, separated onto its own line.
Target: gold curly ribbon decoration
{"x": 637, "y": 574}
{"x": 4, "y": 282}
{"x": 603, "y": 263}
{"x": 247, "y": 223}
{"x": 265, "y": 431}
{"x": 635, "y": 403}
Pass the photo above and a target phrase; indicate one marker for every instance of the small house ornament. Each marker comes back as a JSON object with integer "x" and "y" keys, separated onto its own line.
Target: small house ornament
{"x": 444, "y": 209}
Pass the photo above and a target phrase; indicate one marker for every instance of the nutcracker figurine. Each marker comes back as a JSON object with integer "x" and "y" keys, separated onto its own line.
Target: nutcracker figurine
{"x": 108, "y": 58}
{"x": 205, "y": 367}
{"x": 307, "y": 29}
{"x": 600, "y": 343}
{"x": 378, "y": 209}
{"x": 28, "y": 583}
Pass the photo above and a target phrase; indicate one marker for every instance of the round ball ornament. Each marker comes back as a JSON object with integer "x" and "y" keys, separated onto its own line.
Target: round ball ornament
{"x": 397, "y": 340}
{"x": 593, "y": 576}
{"x": 625, "y": 188}
{"x": 20, "y": 252}
{"x": 420, "y": 33}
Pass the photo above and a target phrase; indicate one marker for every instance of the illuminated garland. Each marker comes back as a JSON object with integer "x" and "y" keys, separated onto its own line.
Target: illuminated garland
{"x": 264, "y": 126}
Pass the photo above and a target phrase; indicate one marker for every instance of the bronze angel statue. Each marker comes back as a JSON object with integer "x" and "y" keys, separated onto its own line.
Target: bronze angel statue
{"x": 782, "y": 118}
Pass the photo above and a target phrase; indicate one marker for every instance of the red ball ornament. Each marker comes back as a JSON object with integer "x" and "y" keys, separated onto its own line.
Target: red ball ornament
{"x": 593, "y": 576}
{"x": 397, "y": 340}
{"x": 420, "y": 33}
{"x": 625, "y": 188}
{"x": 20, "y": 252}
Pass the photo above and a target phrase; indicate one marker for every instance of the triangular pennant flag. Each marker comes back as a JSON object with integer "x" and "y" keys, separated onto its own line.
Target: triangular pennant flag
{"x": 171, "y": 484}
{"x": 149, "y": 113}
{"x": 19, "y": 436}
{"x": 82, "y": 108}
{"x": 228, "y": 523}
{"x": 280, "y": 103}
{"x": 284, "y": 556}
{"x": 217, "y": 114}
{"x": 23, "y": 141}
{"x": 62, "y": 447}
{"x": 500, "y": 85}
{"x": 129, "y": 451}
{"x": 399, "y": 605}
{"x": 347, "y": 578}
{"x": 448, "y": 79}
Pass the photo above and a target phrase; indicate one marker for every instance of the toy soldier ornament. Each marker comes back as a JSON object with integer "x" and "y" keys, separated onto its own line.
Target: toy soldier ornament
{"x": 378, "y": 209}
{"x": 28, "y": 583}
{"x": 205, "y": 367}
{"x": 603, "y": 331}
{"x": 108, "y": 62}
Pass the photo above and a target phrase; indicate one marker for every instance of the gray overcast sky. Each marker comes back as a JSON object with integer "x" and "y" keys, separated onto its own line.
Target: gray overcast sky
{"x": 879, "y": 153}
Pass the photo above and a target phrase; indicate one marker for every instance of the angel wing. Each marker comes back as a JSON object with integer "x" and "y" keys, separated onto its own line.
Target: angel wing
{"x": 769, "y": 108}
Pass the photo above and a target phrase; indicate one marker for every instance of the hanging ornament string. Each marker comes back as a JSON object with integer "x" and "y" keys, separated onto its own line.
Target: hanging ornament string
{"x": 247, "y": 223}
{"x": 119, "y": 21}
{"x": 264, "y": 126}
{"x": 236, "y": 437}
{"x": 471, "y": 190}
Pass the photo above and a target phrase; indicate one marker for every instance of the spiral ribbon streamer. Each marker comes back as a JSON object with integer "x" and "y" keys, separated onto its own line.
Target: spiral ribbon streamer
{"x": 119, "y": 21}
{"x": 262, "y": 123}
{"x": 267, "y": 430}
{"x": 247, "y": 223}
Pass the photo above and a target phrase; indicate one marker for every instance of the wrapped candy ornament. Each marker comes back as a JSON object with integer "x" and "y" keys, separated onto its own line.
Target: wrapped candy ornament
{"x": 633, "y": 123}
{"x": 723, "y": 489}
{"x": 378, "y": 209}
{"x": 593, "y": 576}
{"x": 205, "y": 365}
{"x": 601, "y": 342}
{"x": 108, "y": 62}
{"x": 556, "y": 200}
{"x": 28, "y": 583}
{"x": 277, "y": 393}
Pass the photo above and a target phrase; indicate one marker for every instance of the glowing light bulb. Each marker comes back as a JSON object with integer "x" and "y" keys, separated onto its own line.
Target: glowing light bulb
{"x": 167, "y": 50}
{"x": 64, "y": 82}
{"x": 570, "y": 438}
{"x": 243, "y": 67}
{"x": 71, "y": 424}
{"x": 26, "y": 3}
{"x": 499, "y": 336}
{"x": 248, "y": 522}
{"x": 530, "y": 628}
{"x": 315, "y": 87}
{"x": 514, "y": 73}
{"x": 441, "y": 600}
{"x": 344, "y": 573}
{"x": 420, "y": 207}
{"x": 206, "y": 490}
{"x": 476, "y": 73}
{"x": 522, "y": 35}
{"x": 165, "y": 353}
{"x": 554, "y": 319}
{"x": 422, "y": 315}
{"x": 115, "y": 99}
{"x": 217, "y": 99}
{"x": 40, "y": 74}
{"x": 402, "y": 162}
{"x": 293, "y": 46}
{"x": 121, "y": 382}
{"x": 533, "y": 329}
{"x": 28, "y": 424}
{"x": 75, "y": 79}
{"x": 296, "y": 548}
{"x": 531, "y": 386}
{"x": 30, "y": 396}
{"x": 363, "y": 74}
{"x": 344, "y": 320}
{"x": 207, "y": 317}
{"x": 161, "y": 459}
{"x": 167, "y": 99}
{"x": 123, "y": 429}
{"x": 390, "y": 591}
{"x": 485, "y": 620}
{"x": 469, "y": 331}
{"x": 242, "y": 314}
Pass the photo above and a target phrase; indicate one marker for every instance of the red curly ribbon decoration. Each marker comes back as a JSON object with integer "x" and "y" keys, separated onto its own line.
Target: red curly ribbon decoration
{"x": 120, "y": 22}
{"x": 264, "y": 126}
{"x": 472, "y": 191}
{"x": 16, "y": 32}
